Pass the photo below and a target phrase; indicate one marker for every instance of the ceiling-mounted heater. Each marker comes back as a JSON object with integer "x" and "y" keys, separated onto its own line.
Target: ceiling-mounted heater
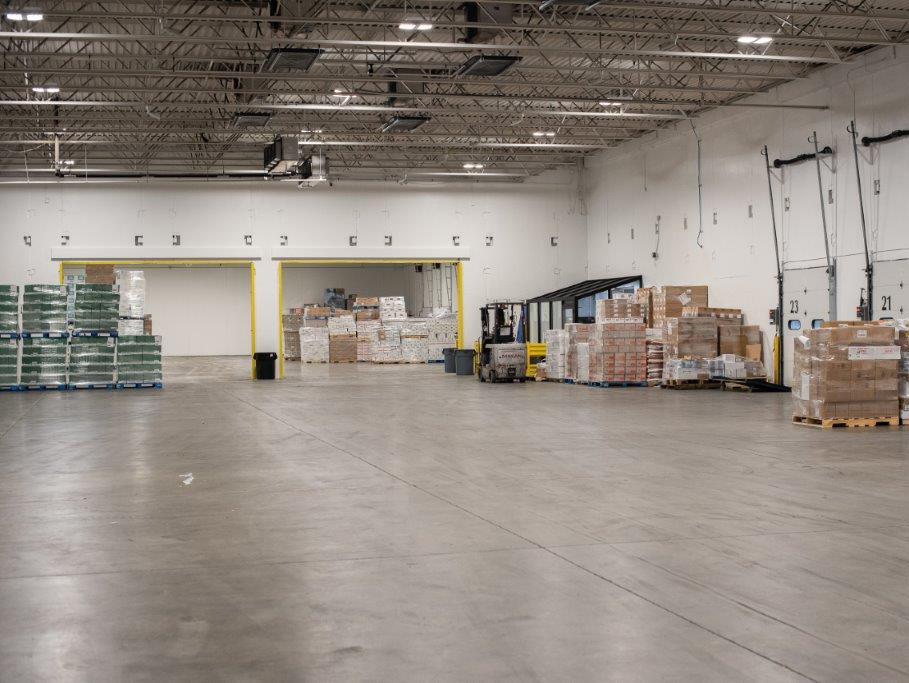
{"x": 250, "y": 119}
{"x": 486, "y": 13}
{"x": 281, "y": 156}
{"x": 290, "y": 59}
{"x": 314, "y": 168}
{"x": 487, "y": 65}
{"x": 404, "y": 124}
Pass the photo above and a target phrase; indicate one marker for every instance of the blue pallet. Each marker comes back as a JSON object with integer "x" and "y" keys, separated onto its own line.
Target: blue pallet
{"x": 93, "y": 385}
{"x": 568, "y": 381}
{"x": 45, "y": 335}
{"x": 10, "y": 387}
{"x": 441, "y": 360}
{"x": 94, "y": 333}
{"x": 9, "y": 335}
{"x": 42, "y": 387}
{"x": 140, "y": 385}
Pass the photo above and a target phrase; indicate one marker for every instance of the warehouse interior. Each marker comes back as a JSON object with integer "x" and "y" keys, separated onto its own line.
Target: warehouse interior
{"x": 527, "y": 340}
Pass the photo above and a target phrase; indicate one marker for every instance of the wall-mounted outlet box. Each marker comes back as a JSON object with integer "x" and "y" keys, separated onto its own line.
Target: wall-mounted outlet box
{"x": 387, "y": 240}
{"x": 352, "y": 241}
{"x": 283, "y": 240}
{"x": 553, "y": 241}
{"x": 64, "y": 240}
{"x": 175, "y": 240}
{"x": 456, "y": 240}
{"x": 138, "y": 240}
{"x": 247, "y": 240}
{"x": 488, "y": 240}
{"x": 27, "y": 239}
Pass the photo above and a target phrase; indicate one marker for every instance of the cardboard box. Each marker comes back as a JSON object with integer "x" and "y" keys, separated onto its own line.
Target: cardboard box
{"x": 668, "y": 301}
{"x": 342, "y": 348}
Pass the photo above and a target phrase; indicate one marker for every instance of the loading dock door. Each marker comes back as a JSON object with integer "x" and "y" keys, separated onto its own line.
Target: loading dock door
{"x": 805, "y": 305}
{"x": 891, "y": 289}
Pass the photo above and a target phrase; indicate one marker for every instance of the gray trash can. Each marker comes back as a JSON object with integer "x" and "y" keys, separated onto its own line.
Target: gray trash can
{"x": 449, "y": 356}
{"x": 464, "y": 361}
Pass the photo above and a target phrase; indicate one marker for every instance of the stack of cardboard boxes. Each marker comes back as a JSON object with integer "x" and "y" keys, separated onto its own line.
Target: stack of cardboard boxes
{"x": 414, "y": 341}
{"x": 557, "y": 344}
{"x": 392, "y": 308}
{"x": 611, "y": 309}
{"x": 668, "y": 301}
{"x": 655, "y": 354}
{"x": 291, "y": 322}
{"x": 342, "y": 338}
{"x": 690, "y": 337}
{"x": 903, "y": 341}
{"x": 366, "y": 332}
{"x": 366, "y": 308}
{"x": 846, "y": 371}
{"x": 386, "y": 343}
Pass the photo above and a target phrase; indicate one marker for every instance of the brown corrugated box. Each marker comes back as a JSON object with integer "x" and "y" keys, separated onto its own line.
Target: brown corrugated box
{"x": 99, "y": 274}
{"x": 342, "y": 348}
{"x": 668, "y": 301}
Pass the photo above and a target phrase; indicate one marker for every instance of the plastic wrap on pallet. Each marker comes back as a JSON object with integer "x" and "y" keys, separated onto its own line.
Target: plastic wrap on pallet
{"x": 334, "y": 297}
{"x": 686, "y": 369}
{"x": 9, "y": 308}
{"x": 366, "y": 308}
{"x": 91, "y": 360}
{"x": 290, "y": 328}
{"x": 43, "y": 361}
{"x": 386, "y": 343}
{"x": 846, "y": 372}
{"x": 392, "y": 308}
{"x": 314, "y": 344}
{"x": 731, "y": 366}
{"x": 365, "y": 333}
{"x": 655, "y": 354}
{"x": 139, "y": 359}
{"x": 97, "y": 308}
{"x": 316, "y": 316}
{"x": 9, "y": 362}
{"x": 132, "y": 293}
{"x": 130, "y": 326}
{"x": 583, "y": 362}
{"x": 44, "y": 308}
{"x": 607, "y": 309}
{"x": 902, "y": 332}
{"x": 342, "y": 325}
{"x": 556, "y": 353}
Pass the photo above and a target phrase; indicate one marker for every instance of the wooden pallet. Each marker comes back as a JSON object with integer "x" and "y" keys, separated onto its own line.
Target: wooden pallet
{"x": 849, "y": 422}
{"x": 690, "y": 384}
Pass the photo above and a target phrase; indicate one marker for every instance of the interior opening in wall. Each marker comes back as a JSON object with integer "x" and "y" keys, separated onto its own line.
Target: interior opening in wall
{"x": 376, "y": 315}
{"x": 203, "y": 312}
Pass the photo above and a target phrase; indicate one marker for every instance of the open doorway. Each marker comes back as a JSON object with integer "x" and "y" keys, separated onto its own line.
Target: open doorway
{"x": 202, "y": 311}
{"x": 429, "y": 290}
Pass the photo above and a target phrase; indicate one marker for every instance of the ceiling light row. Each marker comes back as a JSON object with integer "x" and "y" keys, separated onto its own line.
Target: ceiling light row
{"x": 755, "y": 40}
{"x": 472, "y": 166}
{"x": 414, "y": 26}
{"x": 544, "y": 134}
{"x": 49, "y": 89}
{"x": 24, "y": 16}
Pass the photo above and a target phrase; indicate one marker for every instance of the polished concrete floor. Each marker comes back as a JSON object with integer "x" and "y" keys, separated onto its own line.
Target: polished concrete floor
{"x": 391, "y": 523}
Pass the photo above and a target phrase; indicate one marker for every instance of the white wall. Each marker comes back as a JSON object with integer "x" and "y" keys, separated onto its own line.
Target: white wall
{"x": 656, "y": 176}
{"x": 521, "y": 217}
{"x": 199, "y": 311}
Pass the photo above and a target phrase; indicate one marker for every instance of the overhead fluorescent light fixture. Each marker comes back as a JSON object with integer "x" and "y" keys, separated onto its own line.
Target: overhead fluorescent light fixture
{"x": 424, "y": 27}
{"x": 310, "y": 131}
{"x": 586, "y": 4}
{"x": 34, "y": 16}
{"x": 472, "y": 166}
{"x": 69, "y": 162}
{"x": 415, "y": 26}
{"x": 338, "y": 92}
{"x": 610, "y": 104}
{"x": 15, "y": 16}
{"x": 404, "y": 124}
{"x": 763, "y": 40}
{"x": 487, "y": 65}
{"x": 46, "y": 89}
{"x": 544, "y": 134}
{"x": 290, "y": 59}
{"x": 252, "y": 119}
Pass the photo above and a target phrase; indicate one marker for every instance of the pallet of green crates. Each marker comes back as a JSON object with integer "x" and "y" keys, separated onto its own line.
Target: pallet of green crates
{"x": 44, "y": 357}
{"x": 92, "y": 362}
{"x": 139, "y": 361}
{"x": 44, "y": 308}
{"x": 96, "y": 308}
{"x": 9, "y": 309}
{"x": 9, "y": 361}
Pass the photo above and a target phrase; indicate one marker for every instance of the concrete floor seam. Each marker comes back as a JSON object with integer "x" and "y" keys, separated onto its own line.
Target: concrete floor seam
{"x": 754, "y": 609}
{"x": 548, "y": 550}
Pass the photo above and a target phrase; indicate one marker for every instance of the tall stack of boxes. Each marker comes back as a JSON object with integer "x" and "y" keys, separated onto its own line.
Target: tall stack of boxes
{"x": 619, "y": 351}
{"x": 846, "y": 372}
{"x": 443, "y": 334}
{"x": 366, "y": 313}
{"x": 314, "y": 334}
{"x": 556, "y": 353}
{"x": 386, "y": 343}
{"x": 655, "y": 354}
{"x": 578, "y": 333}
{"x": 903, "y": 341}
{"x": 9, "y": 335}
{"x": 139, "y": 360}
{"x": 611, "y": 309}
{"x": 131, "y": 285}
{"x": 291, "y": 322}
{"x": 414, "y": 341}
{"x": 342, "y": 338}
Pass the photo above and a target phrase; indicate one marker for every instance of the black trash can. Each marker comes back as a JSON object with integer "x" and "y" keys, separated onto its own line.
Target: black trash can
{"x": 265, "y": 365}
{"x": 449, "y": 356}
{"x": 464, "y": 361}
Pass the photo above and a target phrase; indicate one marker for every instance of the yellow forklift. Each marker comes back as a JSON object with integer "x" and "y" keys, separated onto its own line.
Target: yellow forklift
{"x": 501, "y": 349}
